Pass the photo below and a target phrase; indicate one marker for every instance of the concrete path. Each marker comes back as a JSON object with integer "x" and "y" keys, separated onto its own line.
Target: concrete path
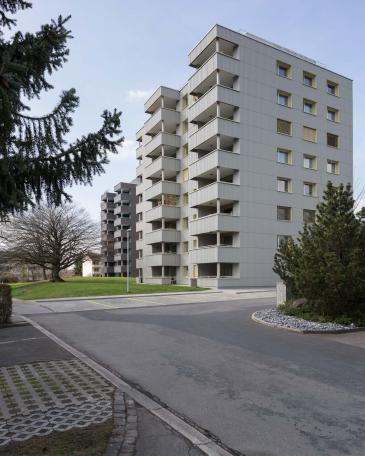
{"x": 260, "y": 390}
{"x": 135, "y": 301}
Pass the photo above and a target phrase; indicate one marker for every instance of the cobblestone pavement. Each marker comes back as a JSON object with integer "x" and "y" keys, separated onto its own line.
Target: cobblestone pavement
{"x": 39, "y": 398}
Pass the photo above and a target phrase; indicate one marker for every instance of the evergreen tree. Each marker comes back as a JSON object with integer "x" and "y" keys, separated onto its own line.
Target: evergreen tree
{"x": 35, "y": 160}
{"x": 327, "y": 264}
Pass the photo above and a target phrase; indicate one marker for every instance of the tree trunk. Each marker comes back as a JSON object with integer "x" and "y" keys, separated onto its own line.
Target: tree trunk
{"x": 44, "y": 274}
{"x": 55, "y": 277}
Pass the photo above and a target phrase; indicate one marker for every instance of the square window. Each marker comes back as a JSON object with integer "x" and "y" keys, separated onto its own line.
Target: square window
{"x": 284, "y": 98}
{"x": 283, "y": 69}
{"x": 309, "y": 189}
{"x": 332, "y": 114}
{"x": 282, "y": 238}
{"x": 283, "y": 127}
{"x": 332, "y": 167}
{"x": 284, "y": 213}
{"x": 332, "y": 140}
{"x": 309, "y": 215}
{"x": 309, "y": 106}
{"x": 332, "y": 88}
{"x": 308, "y": 79}
{"x": 283, "y": 156}
{"x": 309, "y": 134}
{"x": 309, "y": 162}
{"x": 282, "y": 184}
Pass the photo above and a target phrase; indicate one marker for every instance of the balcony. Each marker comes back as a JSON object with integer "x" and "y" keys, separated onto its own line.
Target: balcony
{"x": 217, "y": 39}
{"x": 206, "y": 77}
{"x": 162, "y": 212}
{"x": 170, "y": 119}
{"x": 206, "y": 135}
{"x": 208, "y": 195}
{"x": 168, "y": 141}
{"x": 209, "y": 163}
{"x": 213, "y": 223}
{"x": 217, "y": 94}
{"x": 162, "y": 259}
{"x": 169, "y": 165}
{"x": 162, "y": 235}
{"x": 162, "y": 97}
{"x": 216, "y": 254}
{"x": 160, "y": 188}
{"x": 106, "y": 205}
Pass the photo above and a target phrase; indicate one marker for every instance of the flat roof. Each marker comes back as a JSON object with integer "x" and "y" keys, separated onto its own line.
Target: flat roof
{"x": 277, "y": 47}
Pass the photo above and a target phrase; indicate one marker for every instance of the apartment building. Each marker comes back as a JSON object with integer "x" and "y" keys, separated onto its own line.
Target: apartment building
{"x": 118, "y": 216}
{"x": 237, "y": 160}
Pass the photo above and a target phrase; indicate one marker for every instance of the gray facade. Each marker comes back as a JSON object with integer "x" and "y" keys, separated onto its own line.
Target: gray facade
{"x": 237, "y": 160}
{"x": 118, "y": 215}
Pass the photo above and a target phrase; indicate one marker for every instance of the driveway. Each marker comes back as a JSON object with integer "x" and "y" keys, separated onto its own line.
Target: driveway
{"x": 261, "y": 390}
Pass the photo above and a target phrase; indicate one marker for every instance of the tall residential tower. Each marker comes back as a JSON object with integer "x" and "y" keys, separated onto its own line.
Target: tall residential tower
{"x": 237, "y": 160}
{"x": 118, "y": 216}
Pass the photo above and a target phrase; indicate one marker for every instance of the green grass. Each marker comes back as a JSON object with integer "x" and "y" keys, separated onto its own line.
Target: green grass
{"x": 89, "y": 286}
{"x": 91, "y": 441}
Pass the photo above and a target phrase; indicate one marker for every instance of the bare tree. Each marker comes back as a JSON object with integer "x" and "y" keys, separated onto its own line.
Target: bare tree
{"x": 53, "y": 238}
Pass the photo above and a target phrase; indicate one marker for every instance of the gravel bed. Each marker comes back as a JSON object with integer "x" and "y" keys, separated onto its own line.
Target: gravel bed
{"x": 273, "y": 317}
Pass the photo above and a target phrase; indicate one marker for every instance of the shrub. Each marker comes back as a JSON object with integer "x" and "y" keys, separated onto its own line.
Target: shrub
{"x": 327, "y": 263}
{"x": 5, "y": 303}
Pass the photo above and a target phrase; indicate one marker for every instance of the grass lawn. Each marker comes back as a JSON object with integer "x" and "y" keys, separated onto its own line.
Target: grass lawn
{"x": 89, "y": 286}
{"x": 91, "y": 441}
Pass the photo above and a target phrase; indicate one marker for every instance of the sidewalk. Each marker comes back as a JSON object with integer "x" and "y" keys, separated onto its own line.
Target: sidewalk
{"x": 45, "y": 392}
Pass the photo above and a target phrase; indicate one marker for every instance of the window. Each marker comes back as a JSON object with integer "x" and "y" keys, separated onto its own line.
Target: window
{"x": 309, "y": 106}
{"x": 309, "y": 134}
{"x": 332, "y": 114}
{"x": 195, "y": 244}
{"x": 282, "y": 238}
{"x": 332, "y": 88}
{"x": 309, "y": 215}
{"x": 309, "y": 161}
{"x": 333, "y": 167}
{"x": 226, "y": 270}
{"x": 185, "y": 223}
{"x": 283, "y": 184}
{"x": 283, "y": 156}
{"x": 185, "y": 247}
{"x": 284, "y": 98}
{"x": 185, "y": 174}
{"x": 332, "y": 140}
{"x": 185, "y": 151}
{"x": 309, "y": 79}
{"x": 185, "y": 101}
{"x": 185, "y": 199}
{"x": 309, "y": 189}
{"x": 283, "y": 127}
{"x": 185, "y": 271}
{"x": 283, "y": 69}
{"x": 284, "y": 213}
{"x": 185, "y": 126}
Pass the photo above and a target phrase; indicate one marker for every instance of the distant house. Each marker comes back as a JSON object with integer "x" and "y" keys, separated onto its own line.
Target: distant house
{"x": 91, "y": 266}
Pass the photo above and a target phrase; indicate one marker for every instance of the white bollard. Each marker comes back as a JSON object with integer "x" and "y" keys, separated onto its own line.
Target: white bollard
{"x": 280, "y": 293}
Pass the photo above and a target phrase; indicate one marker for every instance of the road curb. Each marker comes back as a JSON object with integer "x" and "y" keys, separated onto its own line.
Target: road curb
{"x": 207, "y": 443}
{"x": 130, "y": 295}
{"x": 304, "y": 331}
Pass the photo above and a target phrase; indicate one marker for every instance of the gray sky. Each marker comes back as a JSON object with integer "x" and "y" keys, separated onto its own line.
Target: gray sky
{"x": 122, "y": 50}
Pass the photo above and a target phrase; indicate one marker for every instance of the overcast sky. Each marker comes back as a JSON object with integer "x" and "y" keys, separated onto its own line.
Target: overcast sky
{"x": 122, "y": 50}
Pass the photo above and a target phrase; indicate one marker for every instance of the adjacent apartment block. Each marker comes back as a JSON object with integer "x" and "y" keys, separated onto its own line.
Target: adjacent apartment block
{"x": 237, "y": 160}
{"x": 118, "y": 216}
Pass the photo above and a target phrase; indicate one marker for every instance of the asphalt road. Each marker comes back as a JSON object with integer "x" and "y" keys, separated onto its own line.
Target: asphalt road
{"x": 262, "y": 391}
